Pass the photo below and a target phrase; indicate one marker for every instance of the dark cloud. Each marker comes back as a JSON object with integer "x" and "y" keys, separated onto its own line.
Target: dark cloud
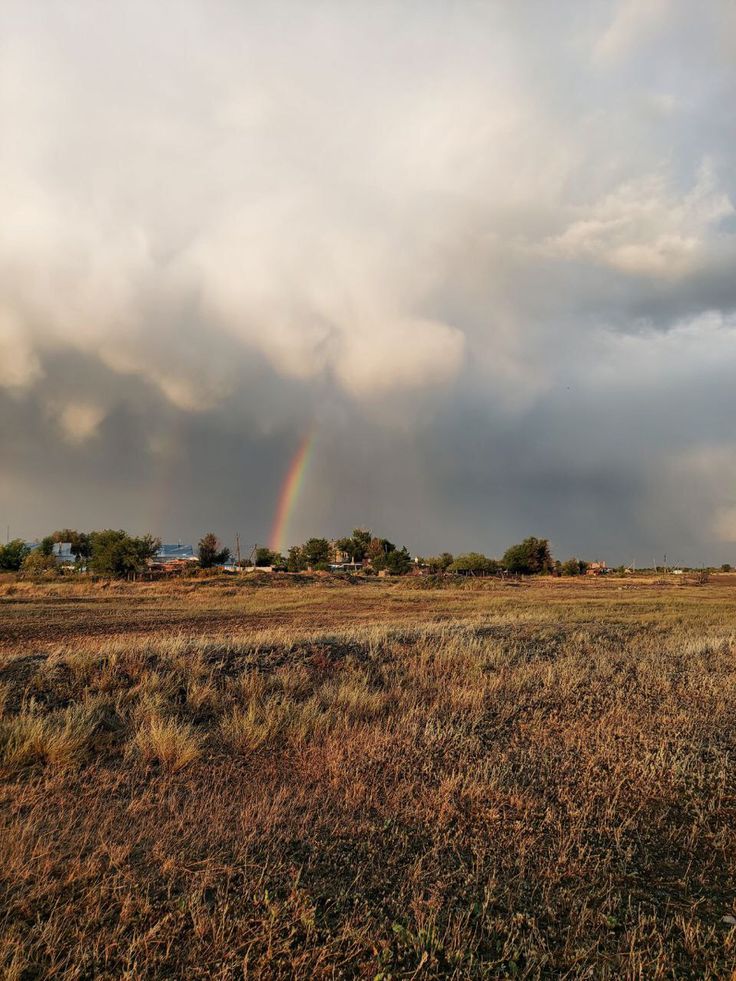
{"x": 486, "y": 250}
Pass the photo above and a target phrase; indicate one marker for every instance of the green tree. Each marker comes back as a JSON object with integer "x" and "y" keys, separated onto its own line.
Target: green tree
{"x": 316, "y": 552}
{"x": 79, "y": 541}
{"x": 531, "y": 557}
{"x": 64, "y": 535}
{"x": 357, "y": 545}
{"x": 47, "y": 546}
{"x": 361, "y": 539}
{"x": 573, "y": 567}
{"x": 12, "y": 555}
{"x": 211, "y": 551}
{"x": 296, "y": 561}
{"x": 396, "y": 561}
{"x": 378, "y": 547}
{"x": 37, "y": 562}
{"x": 474, "y": 563}
{"x": 116, "y": 553}
{"x": 440, "y": 563}
{"x": 726, "y": 567}
{"x": 267, "y": 557}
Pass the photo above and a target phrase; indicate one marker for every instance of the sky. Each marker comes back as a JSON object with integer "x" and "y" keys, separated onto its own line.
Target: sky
{"x": 485, "y": 252}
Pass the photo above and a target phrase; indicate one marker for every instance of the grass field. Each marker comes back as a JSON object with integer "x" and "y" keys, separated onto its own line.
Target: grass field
{"x": 375, "y": 780}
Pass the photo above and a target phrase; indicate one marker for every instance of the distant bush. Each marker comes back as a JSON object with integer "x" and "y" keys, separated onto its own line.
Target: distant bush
{"x": 439, "y": 563}
{"x": 12, "y": 555}
{"x": 211, "y": 551}
{"x": 574, "y": 567}
{"x": 296, "y": 561}
{"x": 115, "y": 553}
{"x": 473, "y": 563}
{"x": 268, "y": 557}
{"x": 530, "y": 557}
{"x": 396, "y": 561}
{"x": 38, "y": 562}
{"x": 316, "y": 553}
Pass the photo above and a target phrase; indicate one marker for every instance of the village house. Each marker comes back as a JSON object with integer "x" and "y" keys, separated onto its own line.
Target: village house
{"x": 338, "y": 556}
{"x": 63, "y": 553}
{"x": 173, "y": 558}
{"x": 596, "y": 569}
{"x": 340, "y": 560}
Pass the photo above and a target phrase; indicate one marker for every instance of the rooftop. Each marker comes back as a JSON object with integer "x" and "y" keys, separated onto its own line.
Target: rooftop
{"x": 167, "y": 552}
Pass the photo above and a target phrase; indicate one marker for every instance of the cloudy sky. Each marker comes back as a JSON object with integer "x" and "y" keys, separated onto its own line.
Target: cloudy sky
{"x": 486, "y": 249}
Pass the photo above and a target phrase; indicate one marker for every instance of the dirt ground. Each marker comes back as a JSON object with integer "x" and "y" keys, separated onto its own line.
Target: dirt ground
{"x": 384, "y": 779}
{"x": 36, "y": 615}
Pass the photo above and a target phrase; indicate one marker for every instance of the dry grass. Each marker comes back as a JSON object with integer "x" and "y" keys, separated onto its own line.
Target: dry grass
{"x": 378, "y": 781}
{"x": 170, "y": 743}
{"x": 58, "y": 739}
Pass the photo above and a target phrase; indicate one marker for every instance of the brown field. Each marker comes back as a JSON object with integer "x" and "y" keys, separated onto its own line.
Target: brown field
{"x": 216, "y": 779}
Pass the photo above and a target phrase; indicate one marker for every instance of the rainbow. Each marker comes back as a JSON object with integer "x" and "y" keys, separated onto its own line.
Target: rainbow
{"x": 290, "y": 491}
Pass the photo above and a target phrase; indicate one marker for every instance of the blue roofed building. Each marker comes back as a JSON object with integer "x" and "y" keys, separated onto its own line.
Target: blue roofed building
{"x": 62, "y": 552}
{"x": 173, "y": 553}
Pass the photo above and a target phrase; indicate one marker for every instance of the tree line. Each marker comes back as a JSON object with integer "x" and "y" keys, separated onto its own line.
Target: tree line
{"x": 530, "y": 557}
{"x": 108, "y": 552}
{"x": 116, "y": 553}
{"x": 320, "y": 554}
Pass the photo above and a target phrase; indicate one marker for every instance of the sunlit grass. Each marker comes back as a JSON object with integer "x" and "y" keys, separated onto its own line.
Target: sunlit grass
{"x": 471, "y": 784}
{"x": 170, "y": 742}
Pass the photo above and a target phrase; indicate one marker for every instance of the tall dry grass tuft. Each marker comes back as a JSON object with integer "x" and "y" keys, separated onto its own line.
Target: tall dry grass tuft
{"x": 60, "y": 739}
{"x": 246, "y": 730}
{"x": 171, "y": 743}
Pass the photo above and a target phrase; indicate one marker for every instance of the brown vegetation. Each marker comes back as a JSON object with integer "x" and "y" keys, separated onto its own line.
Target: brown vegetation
{"x": 380, "y": 781}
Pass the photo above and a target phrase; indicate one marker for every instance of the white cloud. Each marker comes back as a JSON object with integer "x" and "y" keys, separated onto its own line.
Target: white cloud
{"x": 79, "y": 420}
{"x": 399, "y": 353}
{"x": 633, "y": 22}
{"x": 19, "y": 366}
{"x": 317, "y": 201}
{"x": 645, "y": 227}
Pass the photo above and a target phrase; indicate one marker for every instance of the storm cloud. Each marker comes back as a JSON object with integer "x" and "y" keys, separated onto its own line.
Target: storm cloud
{"x": 487, "y": 249}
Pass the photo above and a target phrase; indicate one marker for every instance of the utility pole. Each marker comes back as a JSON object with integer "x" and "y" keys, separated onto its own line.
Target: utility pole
{"x": 237, "y": 550}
